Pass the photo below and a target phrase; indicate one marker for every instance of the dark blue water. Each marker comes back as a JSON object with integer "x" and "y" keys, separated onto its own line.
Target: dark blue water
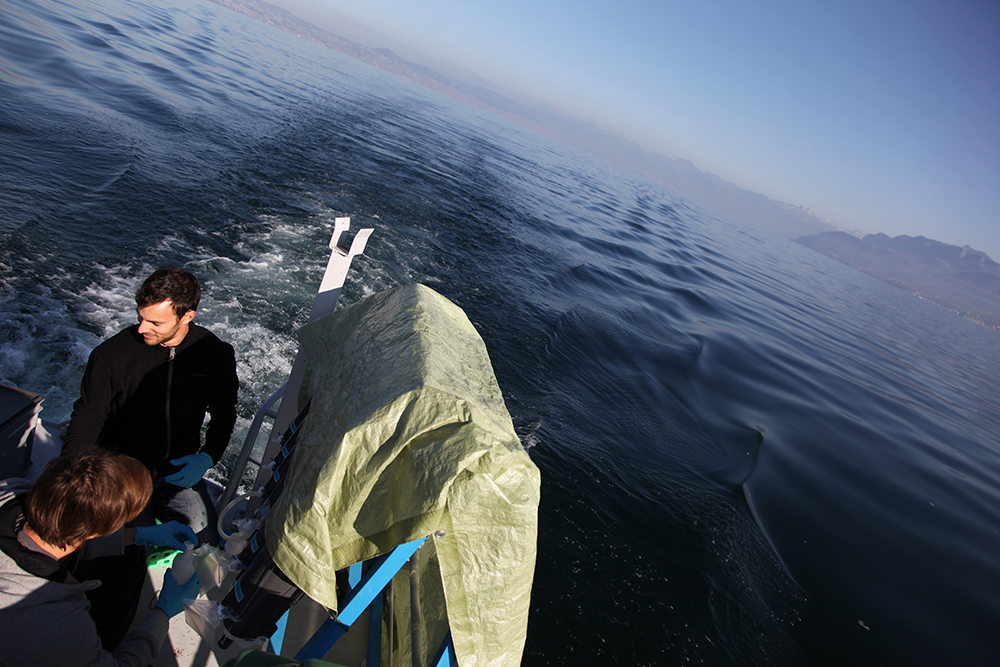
{"x": 750, "y": 454}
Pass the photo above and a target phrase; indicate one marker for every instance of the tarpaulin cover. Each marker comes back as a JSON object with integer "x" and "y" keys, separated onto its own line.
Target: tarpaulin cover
{"x": 408, "y": 436}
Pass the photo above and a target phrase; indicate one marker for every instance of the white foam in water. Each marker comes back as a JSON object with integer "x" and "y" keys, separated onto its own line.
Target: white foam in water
{"x": 109, "y": 306}
{"x": 528, "y": 434}
{"x": 43, "y": 350}
{"x": 256, "y": 304}
{"x": 47, "y": 333}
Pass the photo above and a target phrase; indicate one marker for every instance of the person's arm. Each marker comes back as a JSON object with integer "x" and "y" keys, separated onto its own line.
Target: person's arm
{"x": 170, "y": 534}
{"x": 62, "y": 633}
{"x": 222, "y": 405}
{"x": 91, "y": 410}
{"x": 138, "y": 643}
{"x": 142, "y": 644}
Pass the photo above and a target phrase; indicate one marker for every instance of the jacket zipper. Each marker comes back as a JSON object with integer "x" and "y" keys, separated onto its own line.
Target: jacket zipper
{"x": 170, "y": 381}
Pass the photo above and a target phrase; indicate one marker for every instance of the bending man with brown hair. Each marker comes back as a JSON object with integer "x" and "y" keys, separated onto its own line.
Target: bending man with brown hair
{"x": 44, "y": 611}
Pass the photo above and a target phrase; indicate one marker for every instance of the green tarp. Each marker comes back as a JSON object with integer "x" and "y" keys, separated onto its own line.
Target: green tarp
{"x": 408, "y": 436}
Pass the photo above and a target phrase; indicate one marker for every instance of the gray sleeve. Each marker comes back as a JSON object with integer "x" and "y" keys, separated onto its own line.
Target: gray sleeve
{"x": 64, "y": 634}
{"x": 141, "y": 645}
{"x": 139, "y": 648}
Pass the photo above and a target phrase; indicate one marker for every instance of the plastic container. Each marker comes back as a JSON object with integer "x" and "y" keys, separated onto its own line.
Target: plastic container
{"x": 184, "y": 565}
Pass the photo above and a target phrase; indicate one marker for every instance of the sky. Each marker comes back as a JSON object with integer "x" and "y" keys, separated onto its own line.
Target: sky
{"x": 879, "y": 115}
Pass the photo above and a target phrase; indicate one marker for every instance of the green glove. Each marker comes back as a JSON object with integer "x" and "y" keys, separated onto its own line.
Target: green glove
{"x": 172, "y": 596}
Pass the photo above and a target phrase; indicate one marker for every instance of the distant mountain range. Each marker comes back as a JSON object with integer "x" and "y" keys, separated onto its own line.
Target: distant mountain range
{"x": 959, "y": 279}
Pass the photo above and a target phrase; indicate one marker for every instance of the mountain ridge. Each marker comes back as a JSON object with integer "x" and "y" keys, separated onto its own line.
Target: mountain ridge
{"x": 958, "y": 278}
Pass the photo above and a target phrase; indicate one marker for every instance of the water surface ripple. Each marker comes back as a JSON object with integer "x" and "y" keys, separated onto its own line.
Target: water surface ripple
{"x": 751, "y": 455}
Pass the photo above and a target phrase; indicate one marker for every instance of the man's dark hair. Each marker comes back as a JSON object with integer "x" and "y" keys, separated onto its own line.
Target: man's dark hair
{"x": 90, "y": 494}
{"x": 172, "y": 283}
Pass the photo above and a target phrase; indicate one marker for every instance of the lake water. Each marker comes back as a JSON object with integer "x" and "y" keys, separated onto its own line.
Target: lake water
{"x": 750, "y": 454}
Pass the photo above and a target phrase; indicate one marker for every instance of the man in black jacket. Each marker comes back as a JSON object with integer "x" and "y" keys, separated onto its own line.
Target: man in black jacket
{"x": 146, "y": 392}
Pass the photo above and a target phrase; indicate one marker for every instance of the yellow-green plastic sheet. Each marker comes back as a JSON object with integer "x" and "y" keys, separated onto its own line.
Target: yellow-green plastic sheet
{"x": 408, "y": 437}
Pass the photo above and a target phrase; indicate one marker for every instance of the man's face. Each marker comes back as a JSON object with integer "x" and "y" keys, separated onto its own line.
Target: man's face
{"x": 159, "y": 324}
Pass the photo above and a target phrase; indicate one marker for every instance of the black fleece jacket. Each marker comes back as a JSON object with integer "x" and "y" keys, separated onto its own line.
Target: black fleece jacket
{"x": 125, "y": 403}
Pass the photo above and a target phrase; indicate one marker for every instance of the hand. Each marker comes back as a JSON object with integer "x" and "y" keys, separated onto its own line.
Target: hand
{"x": 170, "y": 534}
{"x": 194, "y": 468}
{"x": 172, "y": 595}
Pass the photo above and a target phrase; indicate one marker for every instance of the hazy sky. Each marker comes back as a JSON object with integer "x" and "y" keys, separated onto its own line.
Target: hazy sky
{"x": 881, "y": 116}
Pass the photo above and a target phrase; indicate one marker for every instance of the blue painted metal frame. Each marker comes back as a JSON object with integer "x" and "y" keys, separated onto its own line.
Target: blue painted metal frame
{"x": 359, "y": 599}
{"x": 278, "y": 638}
{"x": 446, "y": 654}
{"x": 353, "y": 579}
{"x": 354, "y": 575}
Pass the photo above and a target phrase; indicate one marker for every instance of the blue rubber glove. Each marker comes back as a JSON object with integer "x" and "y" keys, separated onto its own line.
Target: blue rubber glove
{"x": 170, "y": 534}
{"x": 194, "y": 469}
{"x": 172, "y": 596}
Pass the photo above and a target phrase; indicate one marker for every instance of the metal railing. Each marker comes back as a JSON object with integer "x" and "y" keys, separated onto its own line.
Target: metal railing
{"x": 246, "y": 452}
